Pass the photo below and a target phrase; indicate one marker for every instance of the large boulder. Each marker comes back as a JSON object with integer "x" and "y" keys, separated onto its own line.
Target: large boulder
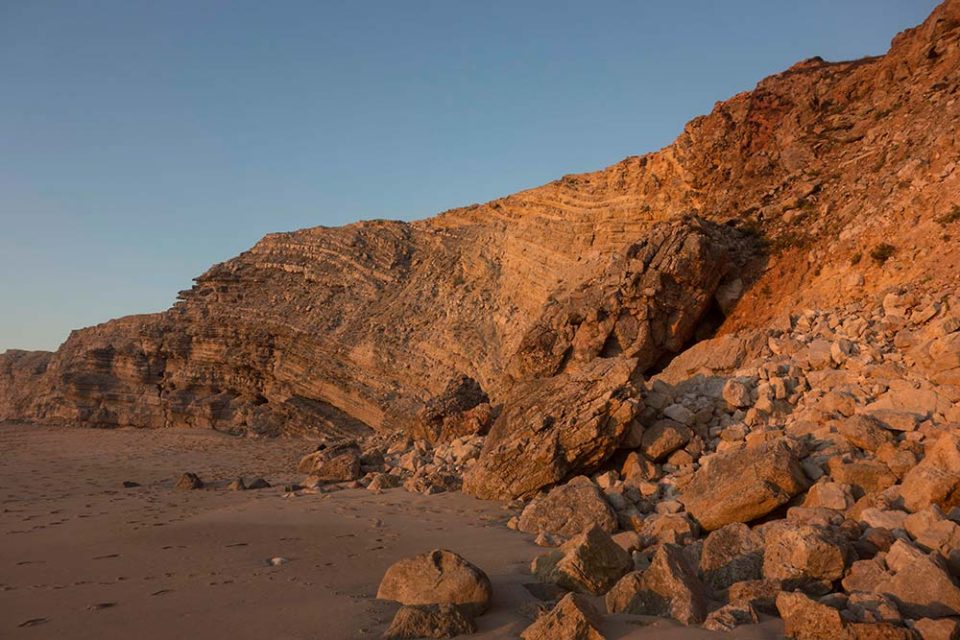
{"x": 669, "y": 588}
{"x": 568, "y": 509}
{"x": 551, "y": 428}
{"x": 743, "y": 485}
{"x": 574, "y": 618}
{"x": 588, "y": 563}
{"x": 437, "y": 577}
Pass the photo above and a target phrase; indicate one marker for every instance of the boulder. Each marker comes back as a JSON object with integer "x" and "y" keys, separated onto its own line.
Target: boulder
{"x": 737, "y": 394}
{"x": 865, "y": 432}
{"x": 936, "y": 479}
{"x": 759, "y": 594}
{"x": 588, "y": 563}
{"x": 743, "y": 485}
{"x": 668, "y": 588}
{"x": 663, "y": 438}
{"x": 937, "y": 628}
{"x": 551, "y": 428}
{"x": 437, "y": 577}
{"x": 732, "y": 553}
{"x": 573, "y": 618}
{"x": 807, "y": 619}
{"x": 921, "y": 586}
{"x": 337, "y": 463}
{"x": 429, "y": 621}
{"x": 568, "y": 510}
{"x": 869, "y": 476}
{"x": 829, "y": 495}
{"x": 802, "y": 554}
{"x": 730, "y": 616}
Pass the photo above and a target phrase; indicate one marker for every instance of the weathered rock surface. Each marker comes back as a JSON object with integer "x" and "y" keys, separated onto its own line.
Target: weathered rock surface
{"x": 668, "y": 587}
{"x": 573, "y": 618}
{"x": 429, "y": 621}
{"x": 568, "y": 510}
{"x": 553, "y": 427}
{"x": 437, "y": 577}
{"x": 337, "y": 463}
{"x": 189, "y": 481}
{"x": 743, "y": 485}
{"x": 588, "y": 563}
{"x": 462, "y": 409}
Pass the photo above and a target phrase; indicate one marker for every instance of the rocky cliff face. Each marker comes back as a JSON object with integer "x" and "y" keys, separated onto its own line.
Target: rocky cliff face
{"x": 787, "y": 194}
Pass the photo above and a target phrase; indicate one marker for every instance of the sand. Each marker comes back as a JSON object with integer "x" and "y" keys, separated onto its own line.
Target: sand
{"x": 83, "y": 557}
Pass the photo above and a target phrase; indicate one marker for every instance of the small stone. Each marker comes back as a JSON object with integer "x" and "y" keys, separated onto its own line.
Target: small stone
{"x": 737, "y": 394}
{"x": 237, "y": 485}
{"x": 189, "y": 481}
{"x": 276, "y": 561}
{"x": 663, "y": 438}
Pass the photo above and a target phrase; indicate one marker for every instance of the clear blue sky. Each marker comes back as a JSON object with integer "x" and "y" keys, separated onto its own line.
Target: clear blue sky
{"x": 141, "y": 142}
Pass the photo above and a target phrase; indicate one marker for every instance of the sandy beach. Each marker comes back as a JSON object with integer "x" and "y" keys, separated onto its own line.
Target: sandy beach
{"x": 84, "y": 557}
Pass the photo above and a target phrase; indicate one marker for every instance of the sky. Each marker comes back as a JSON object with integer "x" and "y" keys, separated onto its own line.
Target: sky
{"x": 142, "y": 142}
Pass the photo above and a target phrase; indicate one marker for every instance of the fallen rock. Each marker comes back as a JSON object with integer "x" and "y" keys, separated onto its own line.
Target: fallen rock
{"x": 759, "y": 594}
{"x": 731, "y": 554}
{"x": 865, "y": 432}
{"x": 806, "y": 619}
{"x": 437, "y": 577}
{"x": 737, "y": 394}
{"x": 730, "y": 616}
{"x": 337, "y": 463}
{"x": 663, "y": 438}
{"x": 258, "y": 483}
{"x": 429, "y": 621}
{"x": 588, "y": 563}
{"x": 921, "y": 586}
{"x": 568, "y": 510}
{"x": 573, "y": 618}
{"x": 937, "y": 629}
{"x": 936, "y": 479}
{"x": 461, "y": 409}
{"x": 669, "y": 588}
{"x": 743, "y": 485}
{"x": 551, "y": 428}
{"x": 189, "y": 481}
{"x": 799, "y": 555}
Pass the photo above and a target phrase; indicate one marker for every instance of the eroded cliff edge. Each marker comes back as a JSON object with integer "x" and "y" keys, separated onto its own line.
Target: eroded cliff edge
{"x": 785, "y": 191}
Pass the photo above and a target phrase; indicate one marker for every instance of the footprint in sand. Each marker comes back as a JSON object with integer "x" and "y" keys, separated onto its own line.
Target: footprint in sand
{"x": 102, "y": 605}
{"x": 32, "y": 622}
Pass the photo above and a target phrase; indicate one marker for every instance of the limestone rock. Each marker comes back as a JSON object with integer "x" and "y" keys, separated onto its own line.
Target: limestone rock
{"x": 743, "y": 485}
{"x": 437, "y": 577}
{"x": 568, "y": 509}
{"x": 936, "y": 479}
{"x": 573, "y": 618}
{"x": 921, "y": 587}
{"x": 806, "y": 619}
{"x": 737, "y": 394}
{"x": 731, "y": 554}
{"x": 663, "y": 438}
{"x": 429, "y": 621}
{"x": 800, "y": 554}
{"x": 730, "y": 616}
{"x": 668, "y": 587}
{"x": 588, "y": 563}
{"x": 549, "y": 429}
{"x": 337, "y": 463}
{"x": 461, "y": 409}
{"x": 937, "y": 628}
